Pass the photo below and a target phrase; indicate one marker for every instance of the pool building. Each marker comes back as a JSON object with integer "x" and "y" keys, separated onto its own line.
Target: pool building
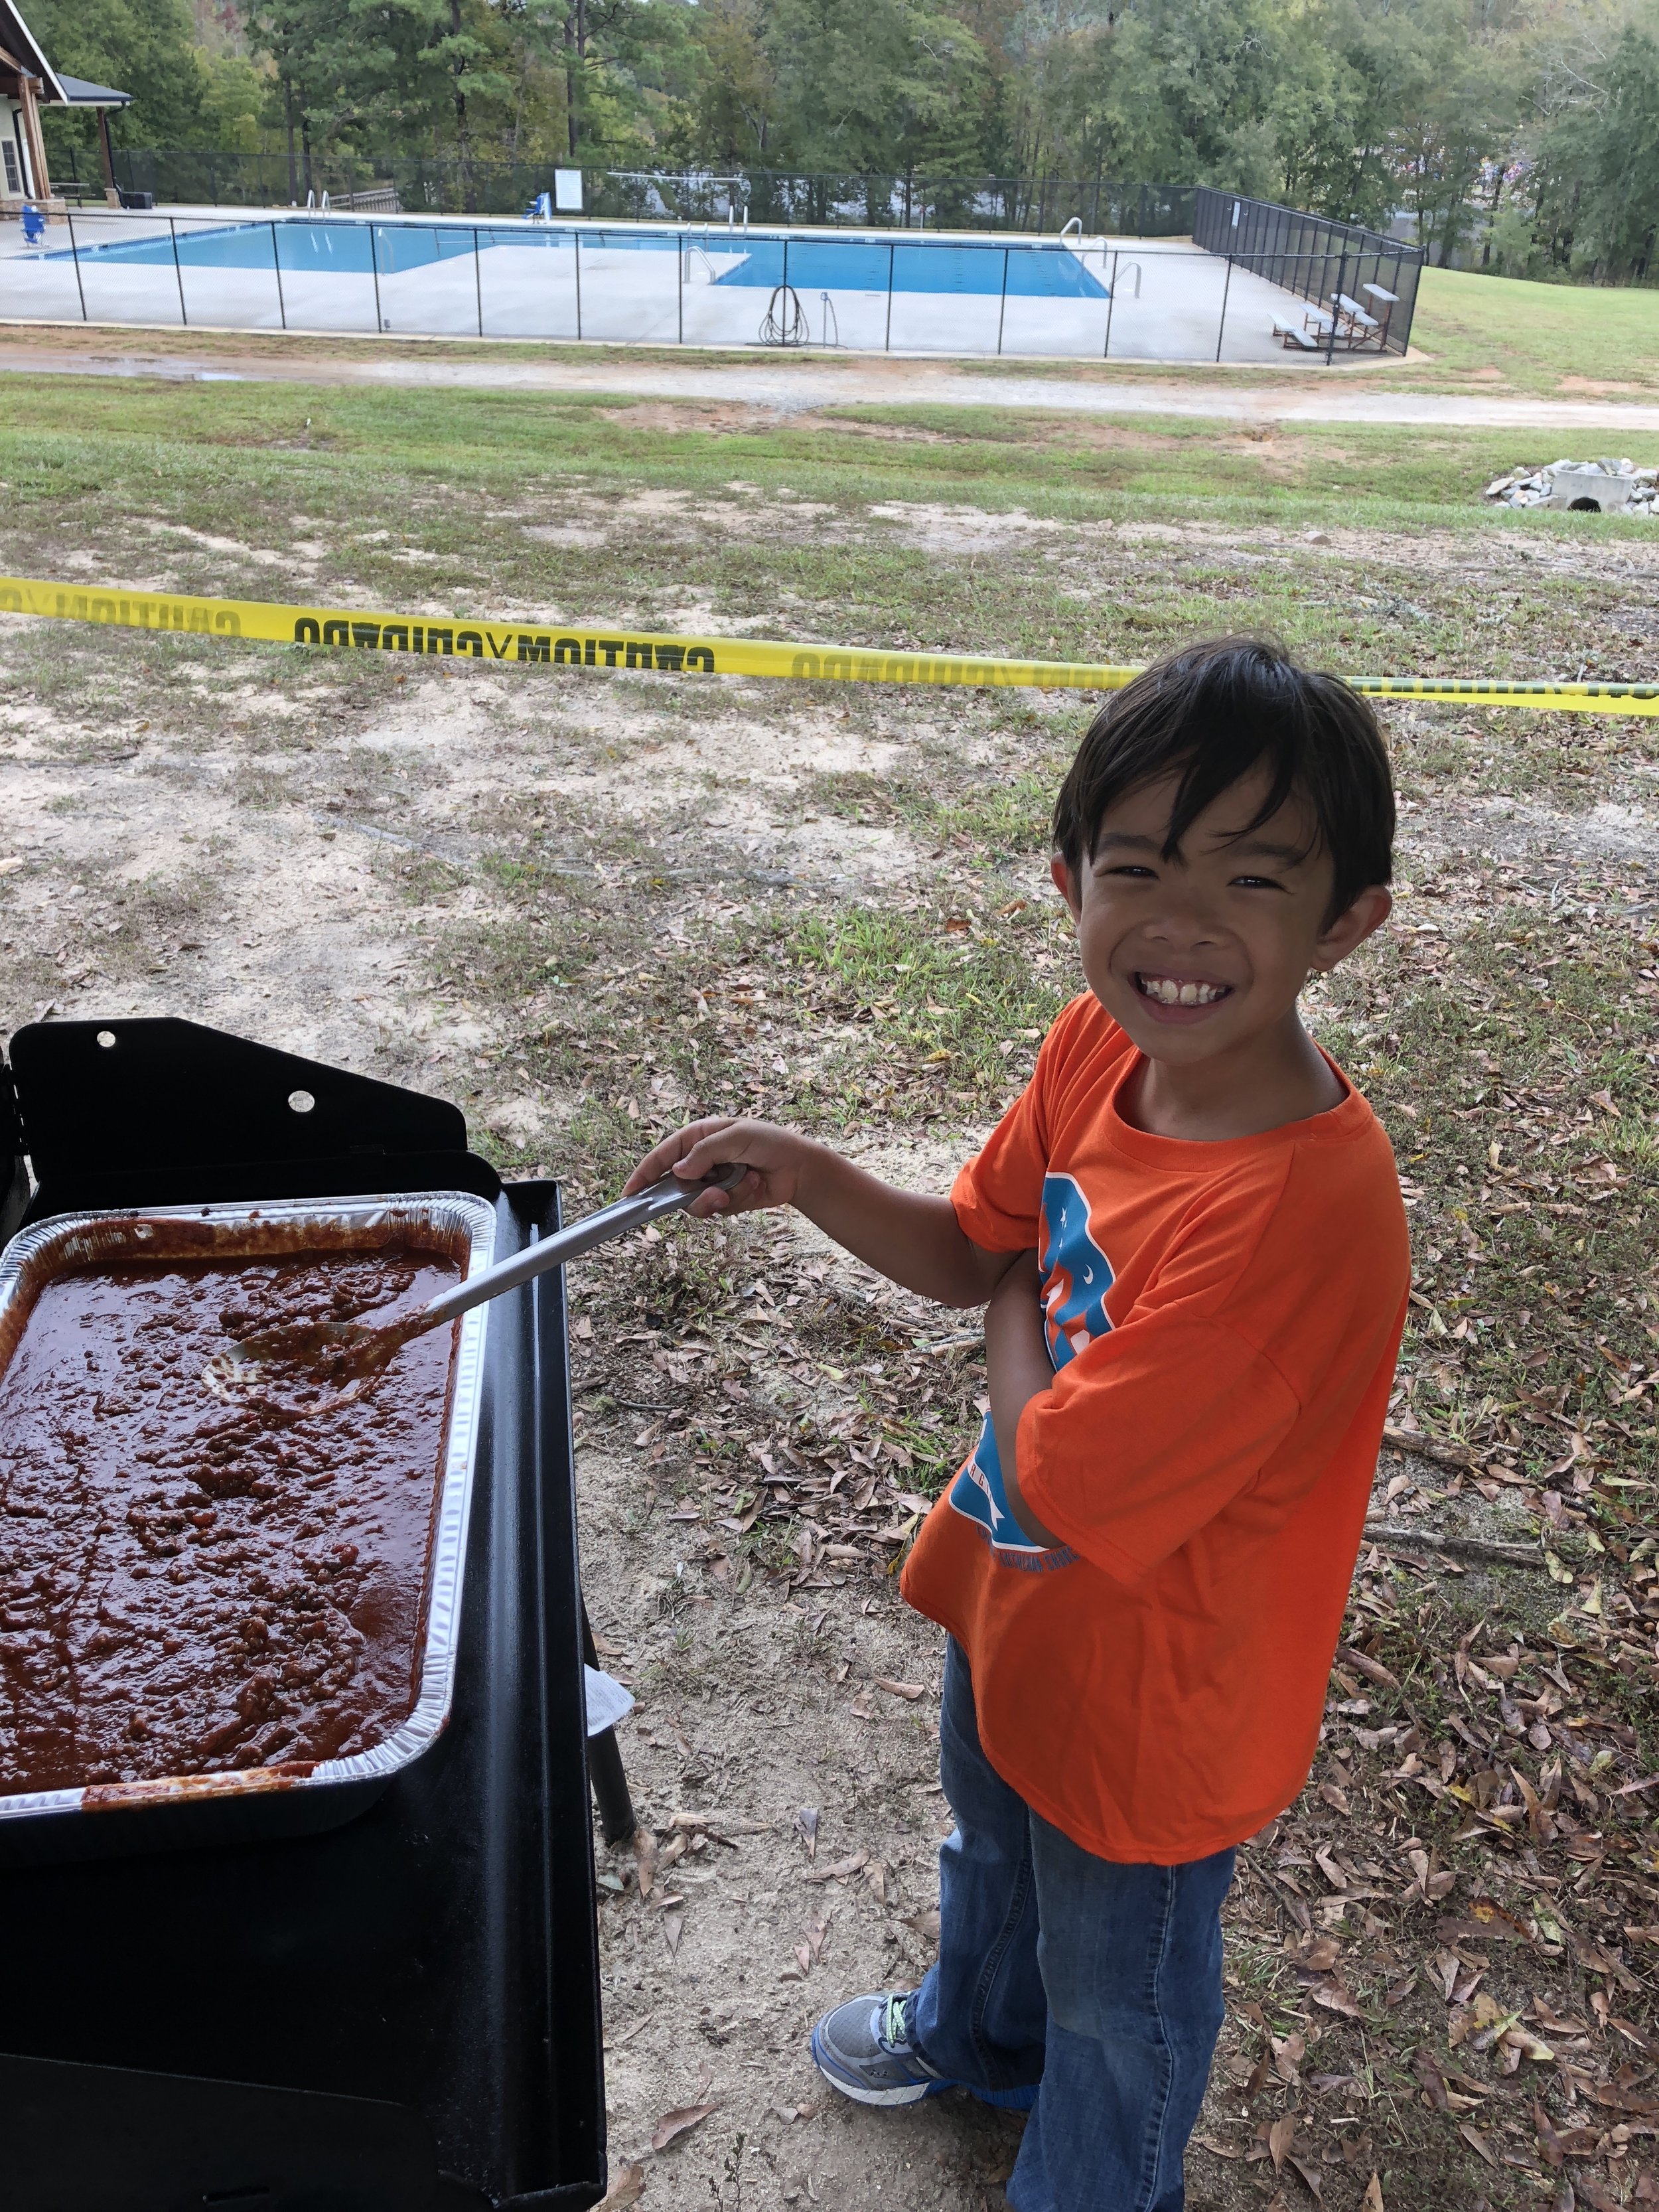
{"x": 27, "y": 83}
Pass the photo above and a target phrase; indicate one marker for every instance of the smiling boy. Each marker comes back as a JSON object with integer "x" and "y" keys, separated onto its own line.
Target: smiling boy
{"x": 1189, "y": 1232}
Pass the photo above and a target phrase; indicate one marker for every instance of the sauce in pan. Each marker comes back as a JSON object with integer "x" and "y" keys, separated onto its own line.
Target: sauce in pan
{"x": 188, "y": 1587}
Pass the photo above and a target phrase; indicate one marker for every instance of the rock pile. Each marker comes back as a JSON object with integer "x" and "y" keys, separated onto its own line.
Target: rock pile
{"x": 1592, "y": 487}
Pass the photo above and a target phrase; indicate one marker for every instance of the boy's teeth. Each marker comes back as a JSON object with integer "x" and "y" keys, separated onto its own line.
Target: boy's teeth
{"x": 1169, "y": 992}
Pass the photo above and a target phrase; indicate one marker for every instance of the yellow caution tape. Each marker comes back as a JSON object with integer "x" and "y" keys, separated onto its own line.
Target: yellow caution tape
{"x": 560, "y": 646}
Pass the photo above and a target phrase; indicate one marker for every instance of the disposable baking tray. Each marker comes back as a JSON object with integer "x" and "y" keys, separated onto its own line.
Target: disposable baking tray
{"x": 172, "y": 1813}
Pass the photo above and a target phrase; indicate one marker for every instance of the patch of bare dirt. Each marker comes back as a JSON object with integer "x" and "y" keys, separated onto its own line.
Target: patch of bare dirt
{"x": 713, "y": 419}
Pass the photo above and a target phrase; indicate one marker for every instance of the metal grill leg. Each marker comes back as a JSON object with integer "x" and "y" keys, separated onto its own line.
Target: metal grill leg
{"x": 605, "y": 1772}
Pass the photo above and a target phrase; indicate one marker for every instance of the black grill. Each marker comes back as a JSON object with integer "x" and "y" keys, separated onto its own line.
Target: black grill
{"x": 402, "y": 2012}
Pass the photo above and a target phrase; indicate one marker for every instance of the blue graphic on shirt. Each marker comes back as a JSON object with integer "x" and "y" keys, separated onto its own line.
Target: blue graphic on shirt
{"x": 1076, "y": 1277}
{"x": 979, "y": 1495}
{"x": 1076, "y": 1272}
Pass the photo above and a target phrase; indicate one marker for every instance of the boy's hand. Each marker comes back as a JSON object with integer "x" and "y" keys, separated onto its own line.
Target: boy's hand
{"x": 775, "y": 1159}
{"x": 911, "y": 1239}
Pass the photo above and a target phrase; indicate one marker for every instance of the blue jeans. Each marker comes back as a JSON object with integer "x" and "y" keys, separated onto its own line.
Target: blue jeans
{"x": 1090, "y": 1990}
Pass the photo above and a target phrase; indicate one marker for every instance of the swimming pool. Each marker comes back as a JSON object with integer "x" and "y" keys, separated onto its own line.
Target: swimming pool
{"x": 309, "y": 245}
{"x": 1035, "y": 271}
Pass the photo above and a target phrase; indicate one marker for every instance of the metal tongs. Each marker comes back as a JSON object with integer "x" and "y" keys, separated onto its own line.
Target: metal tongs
{"x": 348, "y": 1357}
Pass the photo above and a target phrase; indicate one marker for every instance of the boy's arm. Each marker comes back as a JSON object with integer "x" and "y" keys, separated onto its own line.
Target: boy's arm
{"x": 1018, "y": 1368}
{"x": 913, "y": 1239}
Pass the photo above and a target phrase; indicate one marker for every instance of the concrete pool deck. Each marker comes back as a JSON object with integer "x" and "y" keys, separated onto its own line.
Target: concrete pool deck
{"x": 1144, "y": 299}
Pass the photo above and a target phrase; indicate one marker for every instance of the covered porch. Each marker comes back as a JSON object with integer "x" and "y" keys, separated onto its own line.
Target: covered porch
{"x": 28, "y": 84}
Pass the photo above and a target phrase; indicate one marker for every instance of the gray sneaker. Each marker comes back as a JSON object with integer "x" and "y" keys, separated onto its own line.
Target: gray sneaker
{"x": 863, "y": 2048}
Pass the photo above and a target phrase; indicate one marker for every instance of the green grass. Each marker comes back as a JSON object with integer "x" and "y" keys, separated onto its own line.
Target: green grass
{"x": 1541, "y": 337}
{"x": 176, "y": 453}
{"x": 949, "y": 1005}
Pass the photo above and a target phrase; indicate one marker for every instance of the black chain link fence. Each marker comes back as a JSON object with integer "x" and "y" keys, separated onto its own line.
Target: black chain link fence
{"x": 413, "y": 185}
{"x": 1336, "y": 266}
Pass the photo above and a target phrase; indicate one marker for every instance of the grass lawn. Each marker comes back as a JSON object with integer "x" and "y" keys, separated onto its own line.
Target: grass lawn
{"x": 157, "y": 471}
{"x": 585, "y": 907}
{"x": 1592, "y": 341}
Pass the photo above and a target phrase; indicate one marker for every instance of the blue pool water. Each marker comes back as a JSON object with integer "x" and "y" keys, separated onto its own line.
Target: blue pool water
{"x": 859, "y": 265}
{"x": 323, "y": 247}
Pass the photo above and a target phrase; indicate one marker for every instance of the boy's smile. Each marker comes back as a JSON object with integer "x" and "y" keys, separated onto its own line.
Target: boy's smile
{"x": 1200, "y": 957}
{"x": 1178, "y": 998}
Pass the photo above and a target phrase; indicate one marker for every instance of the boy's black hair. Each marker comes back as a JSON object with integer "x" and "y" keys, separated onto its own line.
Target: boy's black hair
{"x": 1211, "y": 714}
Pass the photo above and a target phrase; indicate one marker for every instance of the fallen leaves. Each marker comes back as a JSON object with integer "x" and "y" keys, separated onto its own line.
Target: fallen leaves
{"x": 909, "y": 1690}
{"x": 1336, "y": 1997}
{"x": 627, "y": 2187}
{"x": 1373, "y": 1669}
{"x": 680, "y": 2122}
{"x": 1280, "y": 2135}
{"x": 644, "y": 1860}
{"x": 808, "y": 1951}
{"x": 841, "y": 1869}
{"x": 1477, "y": 2142}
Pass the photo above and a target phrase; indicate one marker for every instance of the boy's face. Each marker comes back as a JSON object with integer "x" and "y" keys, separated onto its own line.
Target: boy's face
{"x": 1205, "y": 954}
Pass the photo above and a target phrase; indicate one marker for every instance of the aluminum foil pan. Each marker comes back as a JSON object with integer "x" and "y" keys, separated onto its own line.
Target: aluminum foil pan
{"x": 256, "y": 1802}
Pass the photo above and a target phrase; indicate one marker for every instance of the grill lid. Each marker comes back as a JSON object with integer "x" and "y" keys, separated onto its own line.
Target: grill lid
{"x": 165, "y": 1112}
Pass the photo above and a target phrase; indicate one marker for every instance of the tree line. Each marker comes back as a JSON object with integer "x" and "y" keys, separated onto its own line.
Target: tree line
{"x": 1524, "y": 133}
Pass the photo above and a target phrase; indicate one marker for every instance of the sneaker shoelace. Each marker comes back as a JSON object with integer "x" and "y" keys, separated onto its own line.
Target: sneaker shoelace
{"x": 893, "y": 2031}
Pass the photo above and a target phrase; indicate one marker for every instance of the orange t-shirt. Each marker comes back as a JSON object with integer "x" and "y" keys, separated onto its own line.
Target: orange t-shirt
{"x": 1225, "y": 1319}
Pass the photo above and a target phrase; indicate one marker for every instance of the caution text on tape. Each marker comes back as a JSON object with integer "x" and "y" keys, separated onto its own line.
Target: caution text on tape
{"x": 569, "y": 647}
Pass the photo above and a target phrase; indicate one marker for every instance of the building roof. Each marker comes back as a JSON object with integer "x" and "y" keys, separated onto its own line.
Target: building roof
{"x": 19, "y": 41}
{"x": 79, "y": 94}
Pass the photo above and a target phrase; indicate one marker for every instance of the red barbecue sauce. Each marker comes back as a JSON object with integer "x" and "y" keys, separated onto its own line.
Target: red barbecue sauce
{"x": 188, "y": 1587}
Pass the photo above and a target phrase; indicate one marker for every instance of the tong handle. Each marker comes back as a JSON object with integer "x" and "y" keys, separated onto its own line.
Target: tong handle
{"x": 670, "y": 1195}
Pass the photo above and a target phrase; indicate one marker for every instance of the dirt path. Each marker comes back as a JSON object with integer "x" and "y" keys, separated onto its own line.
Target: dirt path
{"x": 774, "y": 389}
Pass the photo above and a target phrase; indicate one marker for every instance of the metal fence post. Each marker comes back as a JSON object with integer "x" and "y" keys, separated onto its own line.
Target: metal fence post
{"x": 1226, "y": 286}
{"x": 887, "y": 343}
{"x": 276, "y": 264}
{"x": 375, "y": 267}
{"x": 173, "y": 232}
{"x": 478, "y": 278}
{"x": 679, "y": 265}
{"x": 1341, "y": 286}
{"x": 1002, "y": 307}
{"x": 75, "y": 257}
{"x": 576, "y": 237}
{"x": 1111, "y": 302}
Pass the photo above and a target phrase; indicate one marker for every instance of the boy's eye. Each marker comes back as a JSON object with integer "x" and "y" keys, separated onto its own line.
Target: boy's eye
{"x": 1259, "y": 883}
{"x": 1129, "y": 868}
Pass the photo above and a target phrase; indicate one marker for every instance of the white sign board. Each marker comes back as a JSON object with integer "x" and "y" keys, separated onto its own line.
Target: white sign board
{"x": 567, "y": 190}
